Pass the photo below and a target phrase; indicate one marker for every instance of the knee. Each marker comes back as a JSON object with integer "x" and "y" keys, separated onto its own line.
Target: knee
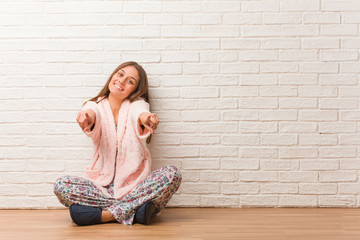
{"x": 60, "y": 184}
{"x": 175, "y": 174}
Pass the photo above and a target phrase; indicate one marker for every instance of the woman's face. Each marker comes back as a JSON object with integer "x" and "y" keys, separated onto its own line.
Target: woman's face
{"x": 124, "y": 82}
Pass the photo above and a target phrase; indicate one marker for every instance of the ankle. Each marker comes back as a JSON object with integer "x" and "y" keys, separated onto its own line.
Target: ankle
{"x": 106, "y": 216}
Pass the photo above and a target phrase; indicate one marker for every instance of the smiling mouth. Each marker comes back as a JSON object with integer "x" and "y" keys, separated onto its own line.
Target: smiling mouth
{"x": 118, "y": 87}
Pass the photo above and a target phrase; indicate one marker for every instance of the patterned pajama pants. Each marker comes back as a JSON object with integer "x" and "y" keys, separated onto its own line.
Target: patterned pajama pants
{"x": 158, "y": 187}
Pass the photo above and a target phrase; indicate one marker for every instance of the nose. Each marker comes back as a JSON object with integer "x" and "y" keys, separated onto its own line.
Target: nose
{"x": 122, "y": 80}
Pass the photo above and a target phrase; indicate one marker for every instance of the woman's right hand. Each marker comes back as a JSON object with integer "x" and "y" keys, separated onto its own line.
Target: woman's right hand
{"x": 86, "y": 119}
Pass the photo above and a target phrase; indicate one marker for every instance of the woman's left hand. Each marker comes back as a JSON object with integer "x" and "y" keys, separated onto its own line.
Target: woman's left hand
{"x": 149, "y": 120}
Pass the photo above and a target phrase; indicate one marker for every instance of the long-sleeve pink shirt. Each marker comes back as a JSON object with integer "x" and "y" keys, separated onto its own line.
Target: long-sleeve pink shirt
{"x": 120, "y": 153}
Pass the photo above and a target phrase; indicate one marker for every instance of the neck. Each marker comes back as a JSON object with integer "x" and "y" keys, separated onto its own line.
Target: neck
{"x": 115, "y": 103}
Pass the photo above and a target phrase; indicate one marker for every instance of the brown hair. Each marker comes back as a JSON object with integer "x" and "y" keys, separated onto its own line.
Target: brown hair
{"x": 142, "y": 91}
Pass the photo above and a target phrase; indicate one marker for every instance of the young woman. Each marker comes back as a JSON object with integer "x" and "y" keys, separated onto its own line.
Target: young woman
{"x": 118, "y": 185}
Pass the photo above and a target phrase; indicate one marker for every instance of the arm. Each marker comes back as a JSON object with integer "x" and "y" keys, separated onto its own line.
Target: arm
{"x": 91, "y": 119}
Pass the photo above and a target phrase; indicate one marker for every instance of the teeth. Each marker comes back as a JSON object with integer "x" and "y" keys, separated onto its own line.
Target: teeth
{"x": 117, "y": 86}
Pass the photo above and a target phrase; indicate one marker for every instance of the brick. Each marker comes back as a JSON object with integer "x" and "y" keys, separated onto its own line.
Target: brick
{"x": 218, "y": 80}
{"x": 298, "y": 176}
{"x": 280, "y": 43}
{"x": 180, "y": 81}
{"x": 259, "y": 55}
{"x": 312, "y": 165}
{"x": 247, "y": 91}
{"x": 219, "y": 201}
{"x": 258, "y": 103}
{"x": 337, "y": 201}
{"x": 338, "y": 79}
{"x": 349, "y": 164}
{"x": 281, "y": 18}
{"x": 337, "y": 127}
{"x": 339, "y": 55}
{"x": 194, "y": 188}
{"x": 202, "y": 140}
{"x": 298, "y": 201}
{"x": 220, "y": 31}
{"x": 241, "y": 18}
{"x": 215, "y": 104}
{"x": 348, "y": 176}
{"x": 349, "y": 139}
{"x": 278, "y": 188}
{"x": 317, "y": 188}
{"x": 350, "y": 43}
{"x": 240, "y": 164}
{"x": 257, "y": 152}
{"x": 238, "y": 139}
{"x": 240, "y": 115}
{"x": 282, "y": 165}
{"x": 202, "y": 92}
{"x": 146, "y": 7}
{"x": 177, "y": 31}
{"x": 279, "y": 67}
{"x": 279, "y": 91}
{"x": 200, "y": 163}
{"x": 321, "y": 43}
{"x": 349, "y": 92}
{"x": 219, "y": 128}
{"x": 297, "y": 103}
{"x": 283, "y": 115}
{"x": 179, "y": 57}
{"x": 337, "y": 152}
{"x": 258, "y": 176}
{"x": 318, "y": 115}
{"x": 200, "y": 19}
{"x": 258, "y": 127}
{"x": 184, "y": 200}
{"x": 325, "y": 67}
{"x": 338, "y": 30}
{"x": 298, "y": 56}
{"x": 200, "y": 115}
{"x": 297, "y": 127}
{"x": 259, "y": 201}
{"x": 336, "y": 5}
{"x": 218, "y": 151}
{"x": 349, "y": 188}
{"x": 298, "y": 152}
{"x": 260, "y": 6}
{"x": 300, "y": 30}
{"x": 238, "y": 188}
{"x": 231, "y": 44}
{"x": 349, "y": 115}
{"x": 324, "y": 17}
{"x": 163, "y": 19}
{"x": 219, "y": 176}
{"x": 181, "y": 7}
{"x": 278, "y": 139}
{"x": 261, "y": 31}
{"x": 303, "y": 5}
{"x": 318, "y": 139}
{"x": 240, "y": 68}
{"x": 179, "y": 151}
{"x": 190, "y": 176}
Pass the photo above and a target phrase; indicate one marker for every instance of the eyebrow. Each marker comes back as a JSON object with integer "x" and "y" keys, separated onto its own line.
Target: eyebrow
{"x": 130, "y": 76}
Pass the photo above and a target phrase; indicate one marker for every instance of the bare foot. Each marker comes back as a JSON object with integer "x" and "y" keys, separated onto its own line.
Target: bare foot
{"x": 106, "y": 216}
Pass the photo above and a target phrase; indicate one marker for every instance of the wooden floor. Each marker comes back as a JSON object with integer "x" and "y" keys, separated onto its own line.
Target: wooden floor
{"x": 192, "y": 223}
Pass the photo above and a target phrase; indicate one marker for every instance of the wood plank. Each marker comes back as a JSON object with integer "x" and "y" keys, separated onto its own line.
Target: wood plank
{"x": 192, "y": 223}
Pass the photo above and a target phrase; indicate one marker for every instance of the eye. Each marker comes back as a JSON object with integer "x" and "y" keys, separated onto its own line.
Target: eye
{"x": 131, "y": 82}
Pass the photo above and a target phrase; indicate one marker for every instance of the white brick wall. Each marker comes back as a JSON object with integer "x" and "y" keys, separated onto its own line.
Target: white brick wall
{"x": 258, "y": 100}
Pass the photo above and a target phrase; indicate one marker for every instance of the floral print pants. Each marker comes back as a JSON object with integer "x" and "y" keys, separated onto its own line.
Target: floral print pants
{"x": 158, "y": 187}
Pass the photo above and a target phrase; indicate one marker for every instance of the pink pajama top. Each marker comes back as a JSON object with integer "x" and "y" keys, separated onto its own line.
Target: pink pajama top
{"x": 120, "y": 153}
